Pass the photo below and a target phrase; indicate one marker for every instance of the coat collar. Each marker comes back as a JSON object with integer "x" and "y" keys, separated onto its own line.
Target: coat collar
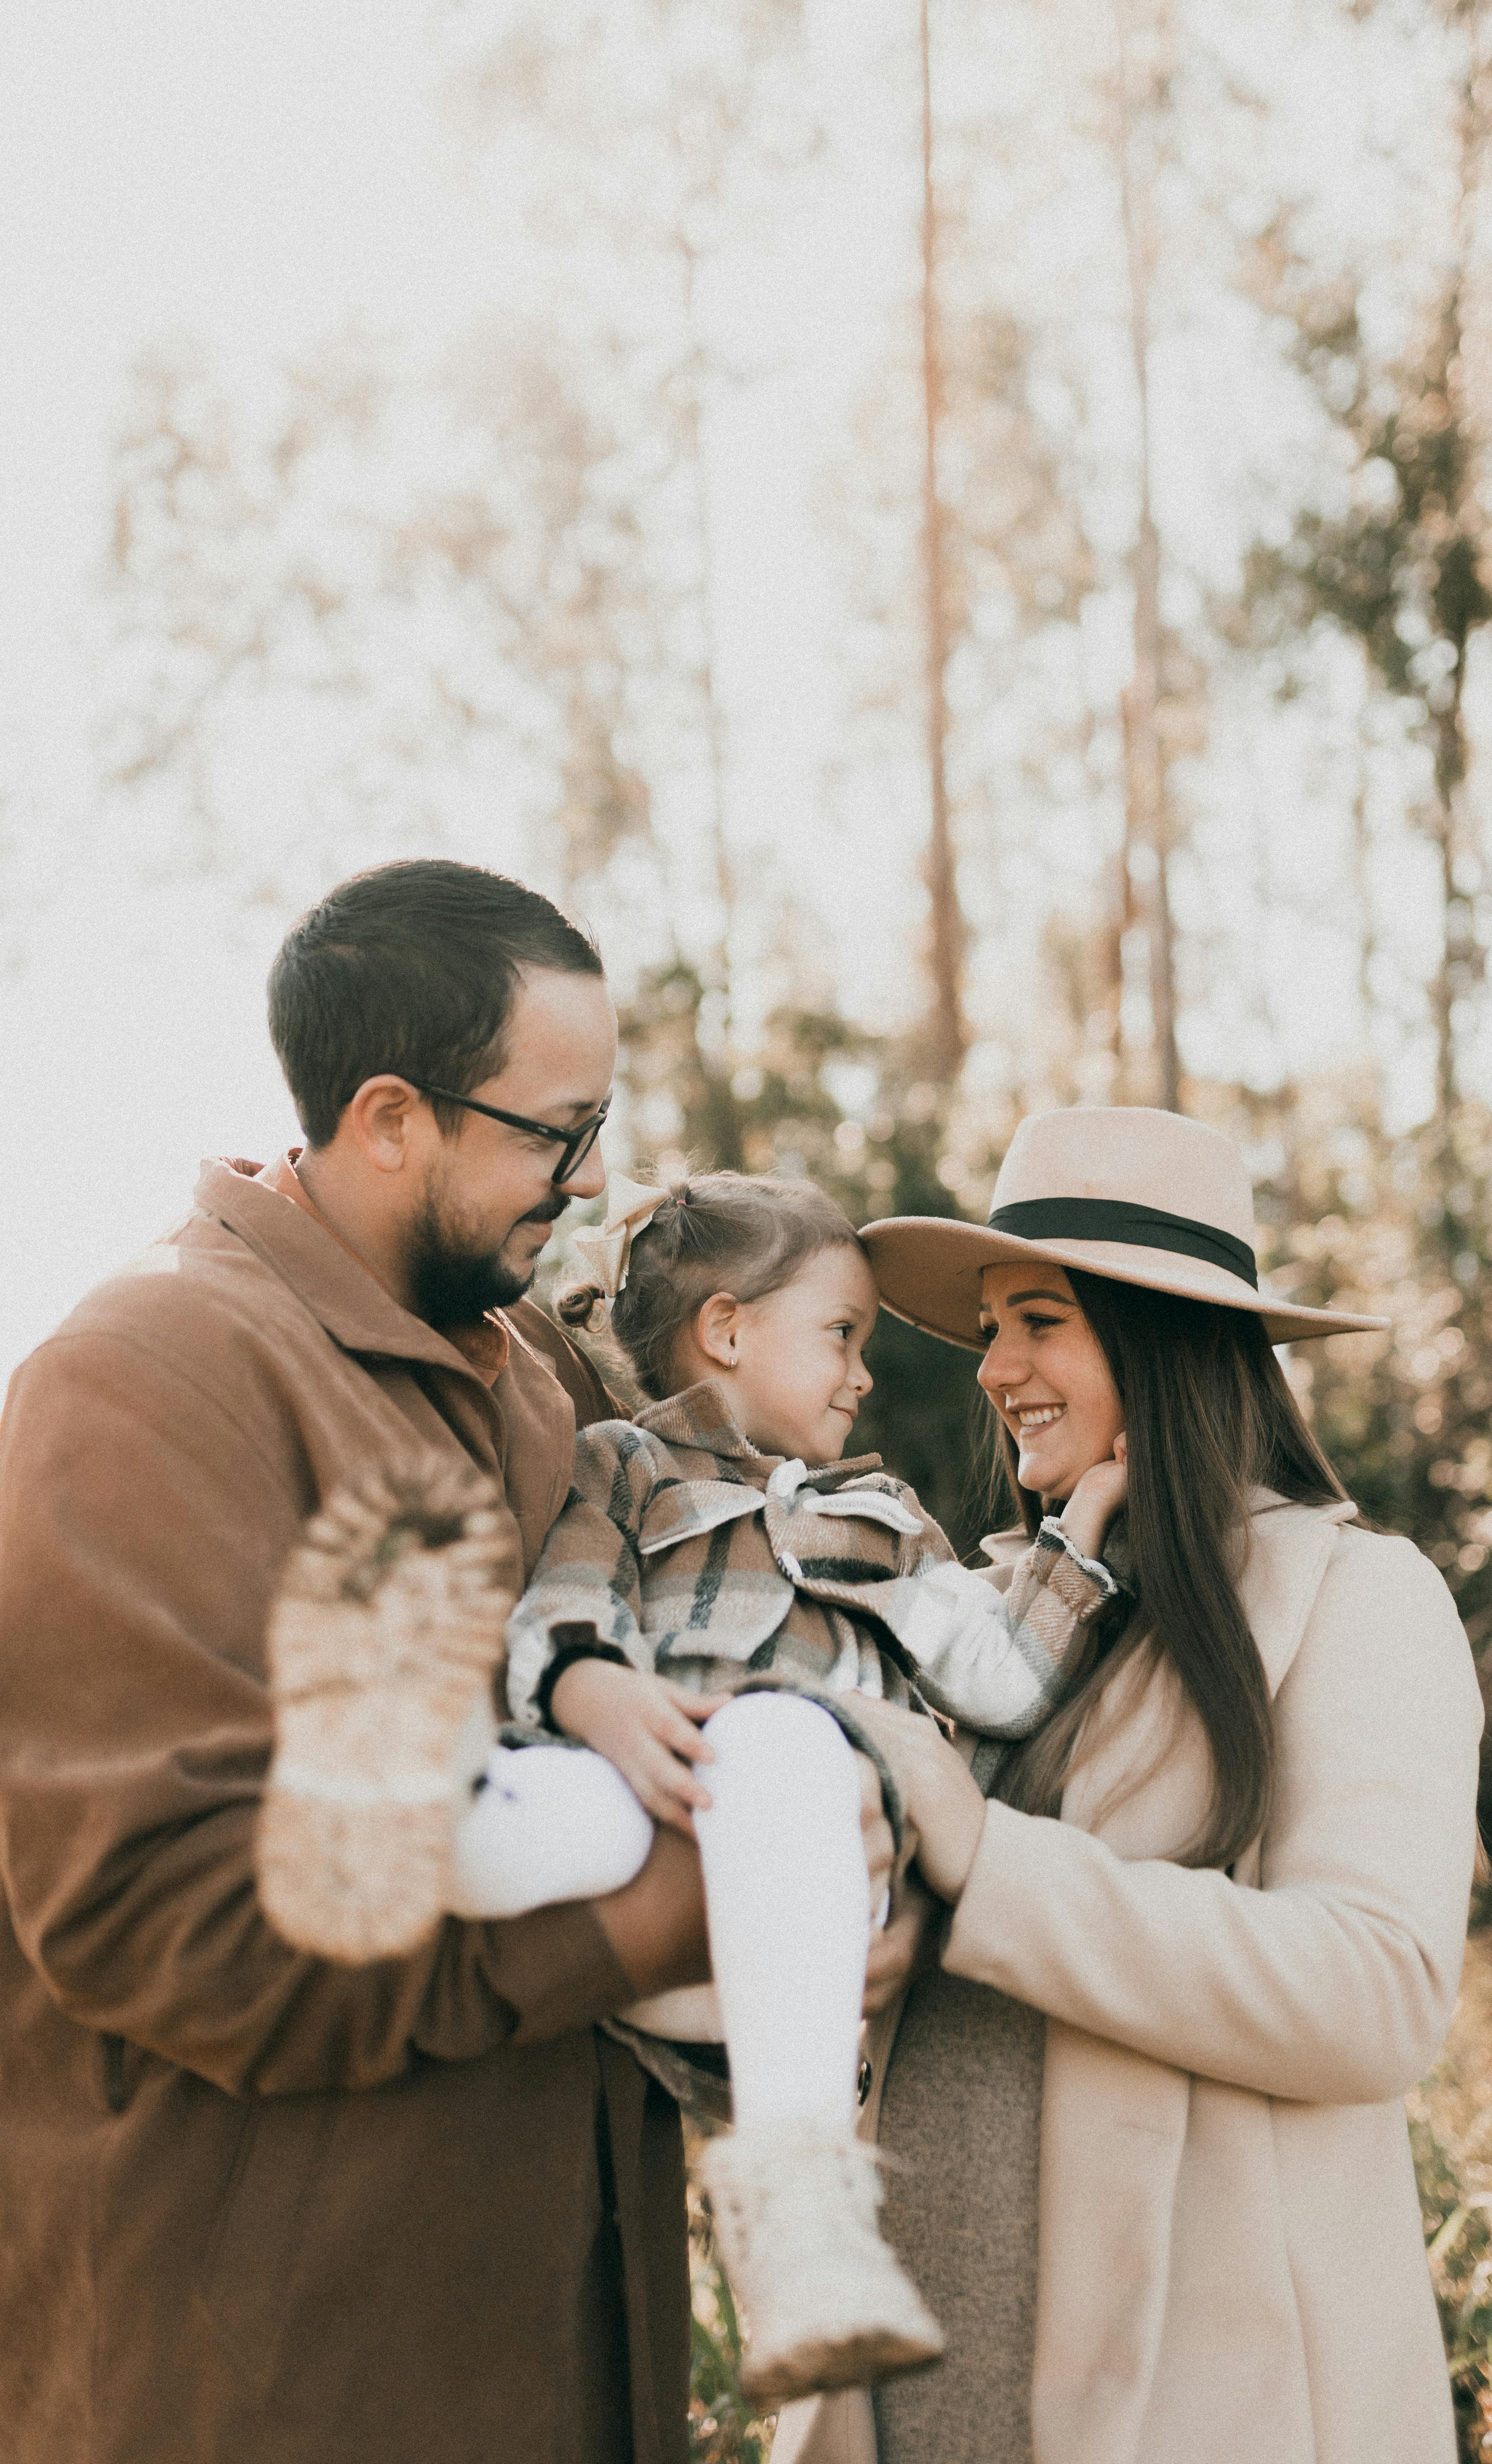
{"x": 700, "y": 1417}
{"x": 337, "y": 1289}
{"x": 1145, "y": 1784}
{"x": 1290, "y": 1548}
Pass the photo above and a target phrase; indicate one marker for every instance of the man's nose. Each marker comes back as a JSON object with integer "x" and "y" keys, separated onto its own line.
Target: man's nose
{"x": 588, "y": 1180}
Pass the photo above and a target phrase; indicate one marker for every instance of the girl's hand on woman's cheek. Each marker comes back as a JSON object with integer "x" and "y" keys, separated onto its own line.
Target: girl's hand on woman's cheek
{"x": 1096, "y": 1499}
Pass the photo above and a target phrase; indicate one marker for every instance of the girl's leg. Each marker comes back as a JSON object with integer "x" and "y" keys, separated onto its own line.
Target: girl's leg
{"x": 789, "y": 1906}
{"x": 552, "y": 1823}
{"x": 793, "y": 2193}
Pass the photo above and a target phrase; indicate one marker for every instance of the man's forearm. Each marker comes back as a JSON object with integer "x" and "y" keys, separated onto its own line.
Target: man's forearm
{"x": 656, "y": 1925}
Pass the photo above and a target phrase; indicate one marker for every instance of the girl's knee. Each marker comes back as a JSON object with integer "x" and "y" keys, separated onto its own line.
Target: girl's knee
{"x": 781, "y": 1721}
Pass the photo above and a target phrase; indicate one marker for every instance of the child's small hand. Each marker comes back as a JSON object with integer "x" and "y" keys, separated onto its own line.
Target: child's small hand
{"x": 1096, "y": 1499}
{"x": 648, "y": 1729}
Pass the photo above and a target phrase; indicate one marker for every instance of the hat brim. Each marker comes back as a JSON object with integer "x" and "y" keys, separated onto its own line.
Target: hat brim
{"x": 928, "y": 1268}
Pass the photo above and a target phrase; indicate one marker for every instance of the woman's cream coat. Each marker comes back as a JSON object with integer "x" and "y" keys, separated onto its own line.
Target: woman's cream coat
{"x": 1232, "y": 2268}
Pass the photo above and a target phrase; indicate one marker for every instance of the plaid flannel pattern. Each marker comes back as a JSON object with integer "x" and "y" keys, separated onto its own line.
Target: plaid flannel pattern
{"x": 673, "y": 1554}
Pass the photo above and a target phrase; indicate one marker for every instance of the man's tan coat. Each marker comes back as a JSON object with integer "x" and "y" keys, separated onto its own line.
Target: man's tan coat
{"x": 255, "y": 2209}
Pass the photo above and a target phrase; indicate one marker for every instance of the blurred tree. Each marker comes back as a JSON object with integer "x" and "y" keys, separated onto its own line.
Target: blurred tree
{"x": 1402, "y": 569}
{"x": 826, "y": 1100}
{"x": 1398, "y": 566}
{"x": 411, "y": 577}
{"x": 647, "y": 133}
{"x": 946, "y": 1029}
{"x": 1142, "y": 77}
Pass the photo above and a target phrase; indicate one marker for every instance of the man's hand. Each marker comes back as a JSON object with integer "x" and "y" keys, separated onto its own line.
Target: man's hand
{"x": 647, "y": 1728}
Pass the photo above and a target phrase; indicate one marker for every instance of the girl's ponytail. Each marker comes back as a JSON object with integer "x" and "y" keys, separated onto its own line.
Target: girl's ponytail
{"x": 576, "y": 1305}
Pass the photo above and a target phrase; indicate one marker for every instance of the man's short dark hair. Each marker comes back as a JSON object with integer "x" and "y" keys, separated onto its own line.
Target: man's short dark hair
{"x": 411, "y": 968}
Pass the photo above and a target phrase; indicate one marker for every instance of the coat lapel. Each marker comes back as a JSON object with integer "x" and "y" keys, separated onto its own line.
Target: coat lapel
{"x": 1291, "y": 1546}
{"x": 1114, "y": 2117}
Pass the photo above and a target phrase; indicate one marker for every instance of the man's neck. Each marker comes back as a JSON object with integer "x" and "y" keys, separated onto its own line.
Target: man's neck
{"x": 336, "y": 1201}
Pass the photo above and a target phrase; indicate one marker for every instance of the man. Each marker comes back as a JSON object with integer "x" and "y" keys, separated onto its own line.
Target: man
{"x": 254, "y": 2208}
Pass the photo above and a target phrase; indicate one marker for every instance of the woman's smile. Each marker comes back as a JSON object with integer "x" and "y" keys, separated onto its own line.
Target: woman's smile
{"x": 1025, "y": 1417}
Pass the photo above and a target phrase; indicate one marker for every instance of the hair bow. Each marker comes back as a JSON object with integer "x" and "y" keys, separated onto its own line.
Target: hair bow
{"x": 606, "y": 1249}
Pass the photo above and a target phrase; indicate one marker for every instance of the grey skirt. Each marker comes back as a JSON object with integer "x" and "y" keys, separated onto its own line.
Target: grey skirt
{"x": 961, "y": 2121}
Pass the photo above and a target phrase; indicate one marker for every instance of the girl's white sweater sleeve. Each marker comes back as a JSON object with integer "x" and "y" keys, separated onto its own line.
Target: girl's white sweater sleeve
{"x": 1334, "y": 1981}
{"x": 996, "y": 1660}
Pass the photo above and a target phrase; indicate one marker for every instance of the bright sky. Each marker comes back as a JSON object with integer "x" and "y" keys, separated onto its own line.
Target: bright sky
{"x": 256, "y": 176}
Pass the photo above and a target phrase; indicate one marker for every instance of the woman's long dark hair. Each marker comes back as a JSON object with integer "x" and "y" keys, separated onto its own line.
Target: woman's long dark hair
{"x": 1209, "y": 1416}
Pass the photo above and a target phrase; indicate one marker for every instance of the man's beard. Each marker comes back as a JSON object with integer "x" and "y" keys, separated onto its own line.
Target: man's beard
{"x": 452, "y": 1283}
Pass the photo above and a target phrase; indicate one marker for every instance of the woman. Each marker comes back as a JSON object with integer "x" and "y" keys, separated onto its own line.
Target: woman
{"x": 1155, "y": 2175}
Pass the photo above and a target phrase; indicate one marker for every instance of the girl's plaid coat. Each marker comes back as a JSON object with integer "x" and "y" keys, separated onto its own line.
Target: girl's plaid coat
{"x": 684, "y": 1551}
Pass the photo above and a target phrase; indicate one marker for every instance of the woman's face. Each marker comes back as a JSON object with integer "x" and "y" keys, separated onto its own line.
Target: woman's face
{"x": 1045, "y": 1373}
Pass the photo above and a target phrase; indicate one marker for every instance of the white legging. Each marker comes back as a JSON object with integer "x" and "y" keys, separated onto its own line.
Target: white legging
{"x": 785, "y": 1883}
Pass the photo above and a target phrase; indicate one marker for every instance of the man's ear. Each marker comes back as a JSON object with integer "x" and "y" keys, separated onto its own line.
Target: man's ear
{"x": 717, "y": 1329}
{"x": 381, "y": 1118}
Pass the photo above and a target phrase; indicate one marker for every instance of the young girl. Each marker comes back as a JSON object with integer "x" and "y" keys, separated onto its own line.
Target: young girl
{"x": 718, "y": 1589}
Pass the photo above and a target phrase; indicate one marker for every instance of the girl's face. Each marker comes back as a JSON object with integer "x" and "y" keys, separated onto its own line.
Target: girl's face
{"x": 800, "y": 1376}
{"x": 1047, "y": 1377}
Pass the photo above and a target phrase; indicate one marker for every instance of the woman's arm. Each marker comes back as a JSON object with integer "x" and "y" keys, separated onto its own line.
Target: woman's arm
{"x": 1335, "y": 1982}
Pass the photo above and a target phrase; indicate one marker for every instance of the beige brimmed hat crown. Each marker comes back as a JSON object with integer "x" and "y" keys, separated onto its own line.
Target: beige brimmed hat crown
{"x": 1138, "y": 1196}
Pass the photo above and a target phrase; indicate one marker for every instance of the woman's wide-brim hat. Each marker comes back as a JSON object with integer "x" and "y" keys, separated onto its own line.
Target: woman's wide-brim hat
{"x": 1136, "y": 1196}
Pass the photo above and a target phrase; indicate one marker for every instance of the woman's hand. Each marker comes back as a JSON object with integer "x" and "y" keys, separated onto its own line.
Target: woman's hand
{"x": 942, "y": 1804}
{"x": 875, "y": 1835}
{"x": 648, "y": 1729}
{"x": 903, "y": 1949}
{"x": 1096, "y": 1499}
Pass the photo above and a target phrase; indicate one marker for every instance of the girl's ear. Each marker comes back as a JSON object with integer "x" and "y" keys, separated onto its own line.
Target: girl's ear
{"x": 717, "y": 1330}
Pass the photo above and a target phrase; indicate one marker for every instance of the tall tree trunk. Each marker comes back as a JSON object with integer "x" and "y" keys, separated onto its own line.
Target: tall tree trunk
{"x": 1458, "y": 954}
{"x": 717, "y": 1067}
{"x": 949, "y": 1036}
{"x": 714, "y": 717}
{"x": 1117, "y": 921}
{"x": 1362, "y": 892}
{"x": 1146, "y": 833}
{"x": 1463, "y": 960}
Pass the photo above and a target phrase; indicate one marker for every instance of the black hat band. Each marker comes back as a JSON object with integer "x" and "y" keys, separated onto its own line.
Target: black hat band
{"x": 1139, "y": 1227}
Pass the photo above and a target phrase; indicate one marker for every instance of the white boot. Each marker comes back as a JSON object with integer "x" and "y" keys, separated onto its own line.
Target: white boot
{"x": 828, "y": 2303}
{"x": 383, "y": 1639}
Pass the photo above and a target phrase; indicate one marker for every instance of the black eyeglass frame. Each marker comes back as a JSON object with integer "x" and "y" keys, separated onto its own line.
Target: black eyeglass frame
{"x": 577, "y": 1142}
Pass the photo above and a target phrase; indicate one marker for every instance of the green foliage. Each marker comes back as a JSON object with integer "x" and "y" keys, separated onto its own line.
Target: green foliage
{"x": 1402, "y": 570}
{"x": 1400, "y": 1228}
{"x": 722, "y": 2427}
{"x": 1460, "y": 2245}
{"x": 1451, "y": 2127}
{"x": 823, "y": 1099}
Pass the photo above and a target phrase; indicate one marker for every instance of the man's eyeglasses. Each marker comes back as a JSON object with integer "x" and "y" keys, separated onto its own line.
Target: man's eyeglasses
{"x": 575, "y": 1144}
